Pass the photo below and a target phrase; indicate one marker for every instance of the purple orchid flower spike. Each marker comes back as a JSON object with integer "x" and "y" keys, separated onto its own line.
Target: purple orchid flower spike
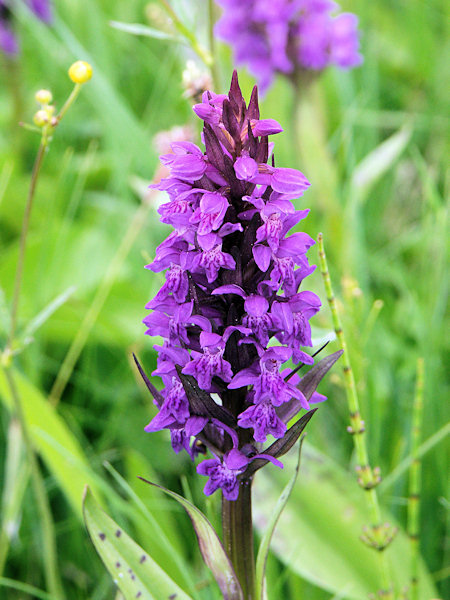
{"x": 289, "y": 37}
{"x": 231, "y": 311}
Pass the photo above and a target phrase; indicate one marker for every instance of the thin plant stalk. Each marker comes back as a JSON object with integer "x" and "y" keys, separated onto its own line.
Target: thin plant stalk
{"x": 196, "y": 47}
{"x": 379, "y": 535}
{"x": 77, "y": 345}
{"x": 237, "y": 527}
{"x": 212, "y": 44}
{"x": 415, "y": 480}
{"x": 51, "y": 570}
{"x": 23, "y": 239}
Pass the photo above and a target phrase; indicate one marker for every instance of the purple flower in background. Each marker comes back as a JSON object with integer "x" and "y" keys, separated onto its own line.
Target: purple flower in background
{"x": 231, "y": 312}
{"x": 288, "y": 36}
{"x": 8, "y": 41}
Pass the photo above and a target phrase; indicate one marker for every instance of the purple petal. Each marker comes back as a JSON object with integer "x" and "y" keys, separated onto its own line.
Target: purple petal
{"x": 265, "y": 127}
{"x": 262, "y": 255}
{"x": 289, "y": 181}
{"x": 245, "y": 168}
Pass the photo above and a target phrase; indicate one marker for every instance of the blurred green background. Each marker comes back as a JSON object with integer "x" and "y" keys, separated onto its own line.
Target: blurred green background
{"x": 373, "y": 142}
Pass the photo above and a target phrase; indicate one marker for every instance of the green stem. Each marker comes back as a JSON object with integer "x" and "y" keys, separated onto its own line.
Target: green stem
{"x": 70, "y": 100}
{"x": 237, "y": 526}
{"x": 196, "y": 47}
{"x": 415, "y": 480}
{"x": 51, "y": 571}
{"x": 212, "y": 46}
{"x": 66, "y": 369}
{"x": 23, "y": 241}
{"x": 379, "y": 536}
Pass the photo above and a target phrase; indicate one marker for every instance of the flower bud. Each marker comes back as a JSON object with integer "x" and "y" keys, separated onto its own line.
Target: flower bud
{"x": 80, "y": 71}
{"x": 43, "y": 96}
{"x": 41, "y": 118}
{"x": 50, "y": 110}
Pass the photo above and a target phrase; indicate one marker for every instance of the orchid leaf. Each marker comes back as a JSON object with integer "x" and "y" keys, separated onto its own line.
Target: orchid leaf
{"x": 283, "y": 445}
{"x": 211, "y": 547}
{"x": 135, "y": 572}
{"x": 307, "y": 385}
{"x": 157, "y": 396}
{"x": 264, "y": 546}
{"x": 201, "y": 402}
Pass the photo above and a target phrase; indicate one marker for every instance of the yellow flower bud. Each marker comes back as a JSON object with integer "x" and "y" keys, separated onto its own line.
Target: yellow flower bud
{"x": 41, "y": 118}
{"x": 50, "y": 110}
{"x": 80, "y": 71}
{"x": 43, "y": 96}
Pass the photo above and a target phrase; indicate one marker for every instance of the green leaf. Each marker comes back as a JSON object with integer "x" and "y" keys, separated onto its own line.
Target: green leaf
{"x": 211, "y": 548}
{"x": 377, "y": 162}
{"x": 264, "y": 546}
{"x": 53, "y": 440}
{"x": 318, "y": 533}
{"x": 157, "y": 531}
{"x": 136, "y": 574}
{"x": 138, "y": 29}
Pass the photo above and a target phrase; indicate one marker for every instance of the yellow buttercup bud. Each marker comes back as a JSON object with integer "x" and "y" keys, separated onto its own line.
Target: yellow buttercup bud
{"x": 43, "y": 96}
{"x": 41, "y": 118}
{"x": 50, "y": 110}
{"x": 80, "y": 71}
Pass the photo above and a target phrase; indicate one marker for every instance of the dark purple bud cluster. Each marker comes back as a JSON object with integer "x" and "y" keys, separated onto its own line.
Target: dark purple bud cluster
{"x": 230, "y": 311}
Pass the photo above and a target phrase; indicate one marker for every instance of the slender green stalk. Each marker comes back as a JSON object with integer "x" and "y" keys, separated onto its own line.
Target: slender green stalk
{"x": 70, "y": 100}
{"x": 415, "y": 480}
{"x": 196, "y": 47}
{"x": 212, "y": 45}
{"x": 237, "y": 526}
{"x": 66, "y": 369}
{"x": 379, "y": 535}
{"x": 51, "y": 570}
{"x": 23, "y": 241}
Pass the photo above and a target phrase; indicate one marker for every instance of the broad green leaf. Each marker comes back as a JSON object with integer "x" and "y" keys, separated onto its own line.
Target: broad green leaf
{"x": 263, "y": 550}
{"x": 377, "y": 162}
{"x": 318, "y": 533}
{"x": 135, "y": 572}
{"x": 157, "y": 530}
{"x": 53, "y": 439}
{"x": 211, "y": 548}
{"x": 139, "y": 29}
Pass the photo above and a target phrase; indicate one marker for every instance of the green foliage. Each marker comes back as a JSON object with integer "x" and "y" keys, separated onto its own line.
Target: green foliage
{"x": 135, "y": 573}
{"x": 373, "y": 143}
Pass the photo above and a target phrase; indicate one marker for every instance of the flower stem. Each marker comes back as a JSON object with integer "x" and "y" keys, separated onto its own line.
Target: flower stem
{"x": 415, "y": 480}
{"x": 237, "y": 526}
{"x": 23, "y": 241}
{"x": 212, "y": 45}
{"x": 380, "y": 535}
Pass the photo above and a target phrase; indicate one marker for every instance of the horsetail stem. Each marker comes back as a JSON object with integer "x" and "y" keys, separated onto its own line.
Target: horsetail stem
{"x": 379, "y": 535}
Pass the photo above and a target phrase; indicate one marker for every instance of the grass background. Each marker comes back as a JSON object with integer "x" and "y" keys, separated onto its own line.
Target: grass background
{"x": 373, "y": 143}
